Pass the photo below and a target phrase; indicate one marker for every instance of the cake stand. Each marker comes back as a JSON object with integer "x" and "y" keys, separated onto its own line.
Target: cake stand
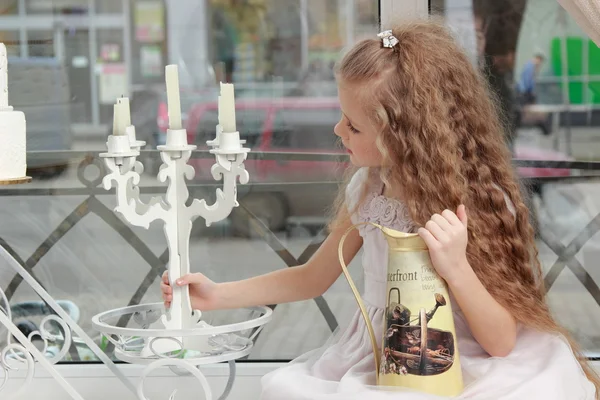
{"x": 15, "y": 181}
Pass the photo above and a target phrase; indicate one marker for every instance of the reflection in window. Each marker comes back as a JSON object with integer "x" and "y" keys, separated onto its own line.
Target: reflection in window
{"x": 56, "y": 6}
{"x": 113, "y": 78}
{"x": 545, "y": 72}
{"x": 302, "y": 130}
{"x": 248, "y": 122}
{"x": 272, "y": 50}
{"x": 11, "y": 41}
{"x": 537, "y": 61}
{"x": 9, "y": 7}
{"x": 40, "y": 43}
{"x": 296, "y": 41}
{"x": 109, "y": 6}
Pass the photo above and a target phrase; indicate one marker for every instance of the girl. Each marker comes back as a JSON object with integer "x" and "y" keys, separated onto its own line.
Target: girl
{"x": 419, "y": 123}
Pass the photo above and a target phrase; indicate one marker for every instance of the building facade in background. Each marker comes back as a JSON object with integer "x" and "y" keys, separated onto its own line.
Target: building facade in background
{"x": 111, "y": 48}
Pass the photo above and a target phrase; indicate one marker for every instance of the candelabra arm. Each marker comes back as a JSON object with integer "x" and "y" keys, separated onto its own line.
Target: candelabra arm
{"x": 125, "y": 179}
{"x": 226, "y": 198}
{"x": 133, "y": 192}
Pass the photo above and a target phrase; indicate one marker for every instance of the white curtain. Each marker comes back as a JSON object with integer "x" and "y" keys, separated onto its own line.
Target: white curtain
{"x": 587, "y": 15}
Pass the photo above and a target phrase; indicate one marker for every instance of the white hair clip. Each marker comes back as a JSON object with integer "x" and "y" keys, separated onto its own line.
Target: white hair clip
{"x": 389, "y": 40}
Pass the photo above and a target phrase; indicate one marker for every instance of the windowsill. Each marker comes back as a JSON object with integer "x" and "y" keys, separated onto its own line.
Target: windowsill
{"x": 95, "y": 381}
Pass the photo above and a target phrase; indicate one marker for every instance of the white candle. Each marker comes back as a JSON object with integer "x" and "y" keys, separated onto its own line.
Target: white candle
{"x": 220, "y": 110}
{"x": 122, "y": 119}
{"x": 115, "y": 130}
{"x": 172, "y": 79}
{"x": 119, "y": 121}
{"x": 126, "y": 109}
{"x": 227, "y": 108}
{"x": 3, "y": 77}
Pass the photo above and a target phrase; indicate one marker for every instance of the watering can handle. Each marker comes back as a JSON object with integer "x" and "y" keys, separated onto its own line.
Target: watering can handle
{"x": 361, "y": 305}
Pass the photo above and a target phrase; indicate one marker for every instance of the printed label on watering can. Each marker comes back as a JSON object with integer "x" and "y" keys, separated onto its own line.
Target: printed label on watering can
{"x": 419, "y": 346}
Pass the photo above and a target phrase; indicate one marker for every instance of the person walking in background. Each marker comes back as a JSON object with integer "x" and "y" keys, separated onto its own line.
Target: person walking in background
{"x": 526, "y": 84}
{"x": 526, "y": 92}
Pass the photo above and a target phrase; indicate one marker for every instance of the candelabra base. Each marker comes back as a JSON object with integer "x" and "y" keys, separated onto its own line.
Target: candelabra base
{"x": 201, "y": 344}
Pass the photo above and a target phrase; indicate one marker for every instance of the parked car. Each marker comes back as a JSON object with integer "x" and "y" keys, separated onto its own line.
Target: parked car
{"x": 284, "y": 187}
{"x": 39, "y": 87}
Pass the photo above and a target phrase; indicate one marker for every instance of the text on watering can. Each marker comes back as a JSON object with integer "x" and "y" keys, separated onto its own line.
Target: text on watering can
{"x": 426, "y": 274}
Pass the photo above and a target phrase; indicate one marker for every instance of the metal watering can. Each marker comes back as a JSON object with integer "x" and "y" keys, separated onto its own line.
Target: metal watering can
{"x": 418, "y": 351}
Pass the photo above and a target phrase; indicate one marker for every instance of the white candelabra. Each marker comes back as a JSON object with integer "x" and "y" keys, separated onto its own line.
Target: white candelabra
{"x": 183, "y": 327}
{"x": 177, "y": 337}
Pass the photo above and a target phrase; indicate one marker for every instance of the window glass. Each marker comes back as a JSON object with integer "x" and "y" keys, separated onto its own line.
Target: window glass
{"x": 69, "y": 62}
{"x": 544, "y": 70}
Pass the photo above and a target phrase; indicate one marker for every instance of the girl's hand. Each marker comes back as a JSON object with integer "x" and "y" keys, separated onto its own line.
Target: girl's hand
{"x": 446, "y": 237}
{"x": 202, "y": 291}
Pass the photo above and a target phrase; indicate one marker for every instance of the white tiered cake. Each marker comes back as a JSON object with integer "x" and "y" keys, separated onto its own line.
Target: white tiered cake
{"x": 12, "y": 131}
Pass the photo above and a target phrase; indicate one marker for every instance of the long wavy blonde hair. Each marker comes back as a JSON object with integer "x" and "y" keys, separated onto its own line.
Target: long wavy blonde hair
{"x": 442, "y": 143}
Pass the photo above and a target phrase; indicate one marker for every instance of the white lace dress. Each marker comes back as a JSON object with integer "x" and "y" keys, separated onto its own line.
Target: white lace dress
{"x": 541, "y": 366}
